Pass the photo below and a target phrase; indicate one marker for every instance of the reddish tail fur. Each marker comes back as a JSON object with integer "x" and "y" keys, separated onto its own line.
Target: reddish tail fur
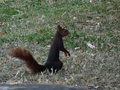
{"x": 27, "y": 57}
{"x": 53, "y": 60}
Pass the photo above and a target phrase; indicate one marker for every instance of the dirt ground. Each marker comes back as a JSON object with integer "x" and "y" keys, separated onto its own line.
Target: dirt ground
{"x": 94, "y": 42}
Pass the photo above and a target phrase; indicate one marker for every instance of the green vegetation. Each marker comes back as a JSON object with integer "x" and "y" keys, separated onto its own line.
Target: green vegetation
{"x": 32, "y": 24}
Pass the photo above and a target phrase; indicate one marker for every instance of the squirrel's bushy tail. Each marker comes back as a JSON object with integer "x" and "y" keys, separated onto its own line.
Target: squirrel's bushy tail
{"x": 26, "y": 56}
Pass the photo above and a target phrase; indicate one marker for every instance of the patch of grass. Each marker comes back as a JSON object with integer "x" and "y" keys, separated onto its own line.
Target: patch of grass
{"x": 8, "y": 11}
{"x": 31, "y": 24}
{"x": 2, "y": 1}
{"x": 41, "y": 36}
{"x": 98, "y": 9}
{"x": 3, "y": 40}
{"x": 8, "y": 39}
{"x": 115, "y": 5}
{"x": 5, "y": 18}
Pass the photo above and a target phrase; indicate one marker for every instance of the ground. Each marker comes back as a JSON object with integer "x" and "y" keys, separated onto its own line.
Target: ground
{"x": 94, "y": 41}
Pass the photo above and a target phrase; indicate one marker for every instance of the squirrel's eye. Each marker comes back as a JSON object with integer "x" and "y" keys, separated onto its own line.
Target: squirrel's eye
{"x": 65, "y": 31}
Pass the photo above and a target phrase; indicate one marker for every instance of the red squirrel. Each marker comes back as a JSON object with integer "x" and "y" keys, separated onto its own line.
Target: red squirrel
{"x": 52, "y": 62}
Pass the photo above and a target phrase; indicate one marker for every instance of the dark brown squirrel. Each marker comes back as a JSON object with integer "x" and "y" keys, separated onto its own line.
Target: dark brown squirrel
{"x": 52, "y": 62}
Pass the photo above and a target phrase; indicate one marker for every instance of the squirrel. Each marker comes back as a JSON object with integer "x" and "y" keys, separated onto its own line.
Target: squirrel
{"x": 52, "y": 62}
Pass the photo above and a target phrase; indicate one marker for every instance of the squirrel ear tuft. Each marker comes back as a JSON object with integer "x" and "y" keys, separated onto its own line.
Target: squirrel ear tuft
{"x": 59, "y": 27}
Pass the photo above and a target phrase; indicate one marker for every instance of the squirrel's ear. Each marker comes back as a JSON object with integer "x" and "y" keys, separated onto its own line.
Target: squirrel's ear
{"x": 59, "y": 27}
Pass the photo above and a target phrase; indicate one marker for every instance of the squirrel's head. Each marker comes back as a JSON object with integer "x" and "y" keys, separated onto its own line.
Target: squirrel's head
{"x": 63, "y": 32}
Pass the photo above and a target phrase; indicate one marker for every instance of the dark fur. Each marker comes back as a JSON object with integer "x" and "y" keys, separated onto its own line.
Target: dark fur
{"x": 53, "y": 57}
{"x": 53, "y": 61}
